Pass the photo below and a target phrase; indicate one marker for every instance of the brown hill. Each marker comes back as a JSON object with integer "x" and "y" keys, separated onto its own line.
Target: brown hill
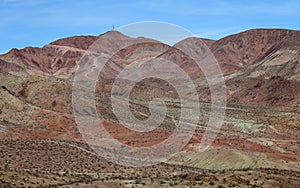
{"x": 249, "y": 47}
{"x": 59, "y": 57}
{"x": 80, "y": 42}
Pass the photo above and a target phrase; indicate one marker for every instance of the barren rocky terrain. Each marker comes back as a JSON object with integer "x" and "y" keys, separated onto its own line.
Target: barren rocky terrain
{"x": 257, "y": 146}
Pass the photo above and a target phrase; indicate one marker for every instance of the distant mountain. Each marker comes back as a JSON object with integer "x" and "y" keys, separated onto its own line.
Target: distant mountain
{"x": 233, "y": 53}
{"x": 247, "y": 59}
{"x": 250, "y": 47}
{"x": 59, "y": 57}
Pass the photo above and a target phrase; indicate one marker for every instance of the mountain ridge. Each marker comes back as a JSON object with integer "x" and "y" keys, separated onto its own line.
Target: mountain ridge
{"x": 233, "y": 52}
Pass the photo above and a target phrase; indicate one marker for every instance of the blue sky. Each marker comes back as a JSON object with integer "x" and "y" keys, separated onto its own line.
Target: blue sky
{"x": 38, "y": 22}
